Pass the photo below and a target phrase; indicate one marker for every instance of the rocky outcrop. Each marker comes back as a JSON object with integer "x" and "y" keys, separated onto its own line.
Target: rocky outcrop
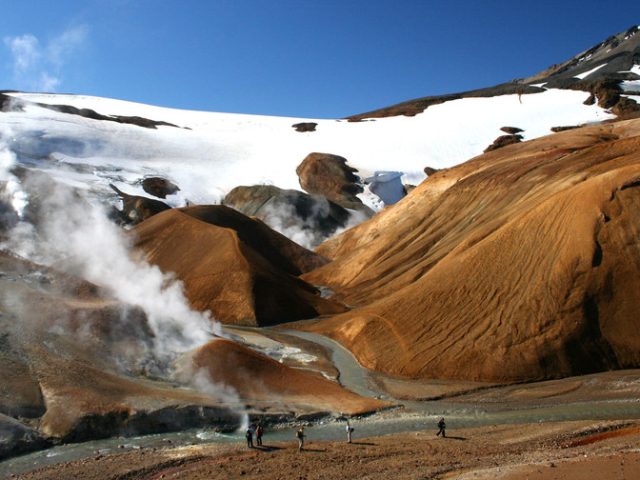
{"x": 521, "y": 264}
{"x": 17, "y": 438}
{"x": 307, "y": 219}
{"x": 503, "y": 141}
{"x": 136, "y": 209}
{"x": 305, "y": 127}
{"x": 511, "y": 130}
{"x": 234, "y": 266}
{"x": 330, "y": 176}
{"x": 159, "y": 187}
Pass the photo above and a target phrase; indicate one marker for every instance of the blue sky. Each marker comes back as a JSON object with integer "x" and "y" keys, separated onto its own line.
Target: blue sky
{"x": 307, "y": 58}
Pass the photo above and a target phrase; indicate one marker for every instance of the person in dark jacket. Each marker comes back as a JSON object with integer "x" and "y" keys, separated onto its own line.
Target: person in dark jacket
{"x": 441, "y": 426}
{"x": 259, "y": 432}
{"x": 249, "y": 436}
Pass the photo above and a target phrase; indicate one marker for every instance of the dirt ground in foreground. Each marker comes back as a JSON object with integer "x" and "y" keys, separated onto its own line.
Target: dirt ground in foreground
{"x": 569, "y": 450}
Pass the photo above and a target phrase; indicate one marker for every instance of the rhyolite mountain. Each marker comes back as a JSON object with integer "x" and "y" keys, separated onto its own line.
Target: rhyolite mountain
{"x": 518, "y": 264}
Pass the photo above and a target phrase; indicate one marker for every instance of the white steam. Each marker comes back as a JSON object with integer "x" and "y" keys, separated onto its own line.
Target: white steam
{"x": 308, "y": 232}
{"x": 74, "y": 235}
{"x": 81, "y": 238}
{"x": 11, "y": 192}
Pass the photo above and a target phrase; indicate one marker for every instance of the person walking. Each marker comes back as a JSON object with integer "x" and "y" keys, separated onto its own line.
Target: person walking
{"x": 441, "y": 426}
{"x": 350, "y": 430}
{"x": 300, "y": 436}
{"x": 249, "y": 436}
{"x": 259, "y": 432}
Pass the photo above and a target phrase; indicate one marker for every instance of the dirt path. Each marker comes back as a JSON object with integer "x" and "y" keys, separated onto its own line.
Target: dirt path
{"x": 568, "y": 450}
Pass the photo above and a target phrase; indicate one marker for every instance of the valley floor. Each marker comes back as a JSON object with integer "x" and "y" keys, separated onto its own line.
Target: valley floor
{"x": 555, "y": 450}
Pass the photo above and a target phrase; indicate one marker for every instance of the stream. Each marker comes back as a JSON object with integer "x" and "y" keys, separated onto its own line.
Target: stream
{"x": 414, "y": 416}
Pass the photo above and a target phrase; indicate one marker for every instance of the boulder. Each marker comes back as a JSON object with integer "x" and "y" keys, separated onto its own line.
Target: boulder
{"x": 511, "y": 130}
{"x": 503, "y": 141}
{"x": 330, "y": 176}
{"x": 17, "y": 438}
{"x": 159, "y": 187}
{"x": 305, "y": 126}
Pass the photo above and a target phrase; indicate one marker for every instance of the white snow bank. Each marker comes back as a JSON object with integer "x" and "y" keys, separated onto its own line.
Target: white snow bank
{"x": 583, "y": 75}
{"x": 220, "y": 151}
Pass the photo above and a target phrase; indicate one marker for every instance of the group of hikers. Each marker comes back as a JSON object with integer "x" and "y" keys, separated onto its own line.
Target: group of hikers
{"x": 258, "y": 431}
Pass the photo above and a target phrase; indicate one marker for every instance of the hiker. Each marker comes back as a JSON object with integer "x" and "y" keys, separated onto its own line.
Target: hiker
{"x": 350, "y": 430}
{"x": 259, "y": 432}
{"x": 441, "y": 426}
{"x": 300, "y": 436}
{"x": 249, "y": 436}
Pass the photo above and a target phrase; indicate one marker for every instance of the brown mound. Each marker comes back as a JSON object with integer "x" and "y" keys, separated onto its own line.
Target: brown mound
{"x": 257, "y": 377}
{"x": 521, "y": 264}
{"x": 234, "y": 266}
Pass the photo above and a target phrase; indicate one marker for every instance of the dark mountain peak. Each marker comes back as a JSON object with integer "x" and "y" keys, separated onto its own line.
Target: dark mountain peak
{"x": 613, "y": 58}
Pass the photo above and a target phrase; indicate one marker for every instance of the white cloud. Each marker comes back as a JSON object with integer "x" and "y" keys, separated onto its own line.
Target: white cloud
{"x": 25, "y": 50}
{"x": 38, "y": 66}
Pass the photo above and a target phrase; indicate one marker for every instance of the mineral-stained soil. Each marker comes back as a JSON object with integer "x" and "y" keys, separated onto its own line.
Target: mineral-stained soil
{"x": 258, "y": 379}
{"x": 521, "y": 264}
{"x": 234, "y": 266}
{"x": 538, "y": 451}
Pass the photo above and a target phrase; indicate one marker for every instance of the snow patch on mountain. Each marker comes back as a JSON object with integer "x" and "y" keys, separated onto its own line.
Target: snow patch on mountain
{"x": 211, "y": 153}
{"x": 584, "y": 75}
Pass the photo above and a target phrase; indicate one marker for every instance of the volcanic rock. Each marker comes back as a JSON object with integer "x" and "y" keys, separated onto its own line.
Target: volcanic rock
{"x": 511, "y": 130}
{"x": 329, "y": 175}
{"x": 521, "y": 264}
{"x": 290, "y": 211}
{"x": 159, "y": 187}
{"x": 136, "y": 209}
{"x": 503, "y": 141}
{"x": 234, "y": 266}
{"x": 305, "y": 126}
{"x": 17, "y": 438}
{"x": 234, "y": 365}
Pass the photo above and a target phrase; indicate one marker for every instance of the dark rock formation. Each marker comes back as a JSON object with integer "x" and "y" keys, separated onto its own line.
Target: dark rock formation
{"x": 511, "y": 130}
{"x": 17, "y": 438}
{"x": 503, "y": 141}
{"x": 305, "y": 126}
{"x": 414, "y": 107}
{"x": 563, "y": 128}
{"x": 159, "y": 187}
{"x": 330, "y": 176}
{"x": 430, "y": 170}
{"x": 136, "y": 209}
